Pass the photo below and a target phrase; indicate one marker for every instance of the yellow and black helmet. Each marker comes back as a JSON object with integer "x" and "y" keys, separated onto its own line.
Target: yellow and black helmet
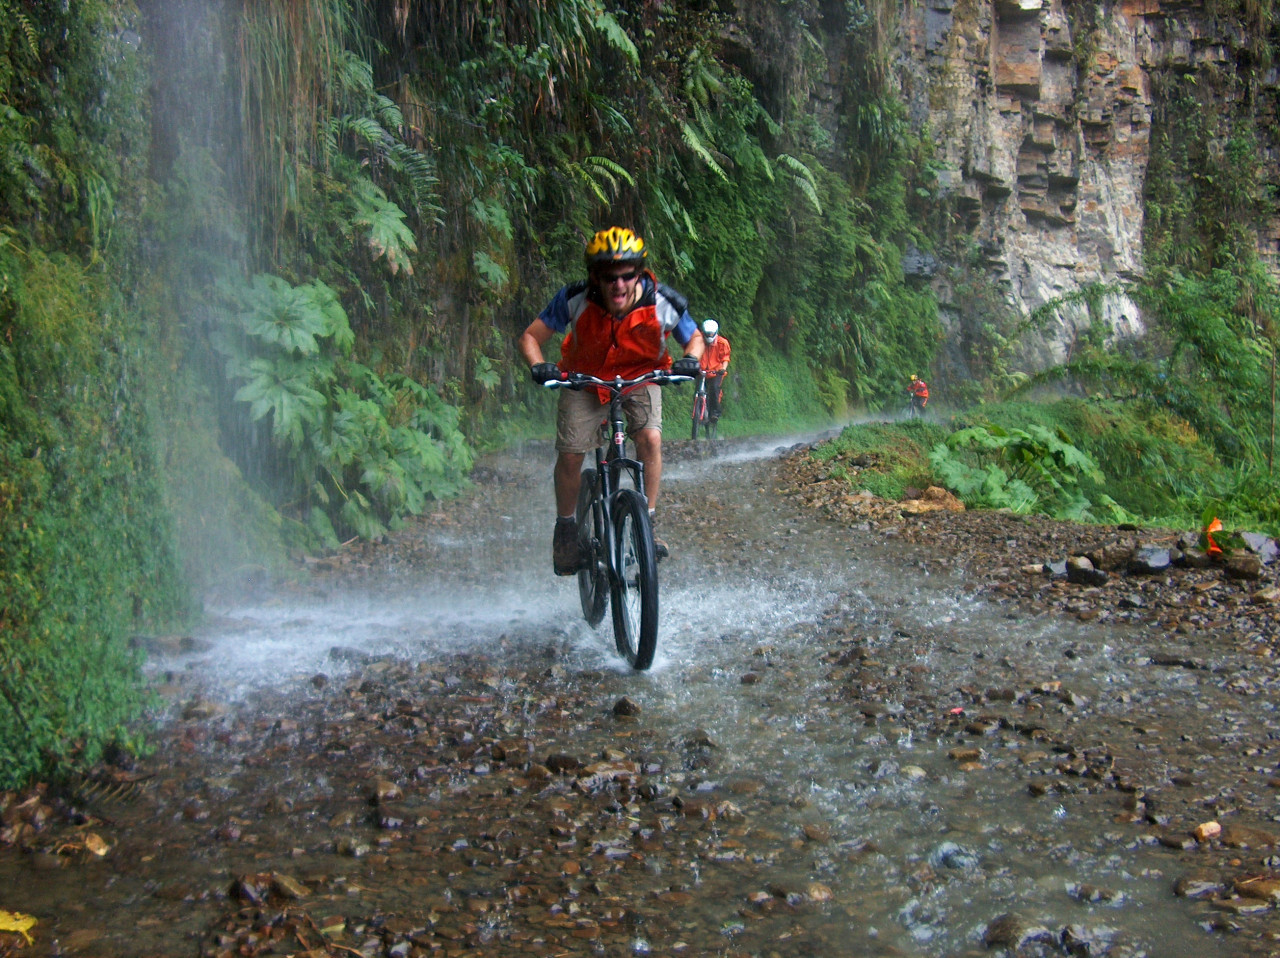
{"x": 617, "y": 244}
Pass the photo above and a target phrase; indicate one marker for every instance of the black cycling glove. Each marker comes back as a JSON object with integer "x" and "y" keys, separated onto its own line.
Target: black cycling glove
{"x": 544, "y": 372}
{"x": 685, "y": 366}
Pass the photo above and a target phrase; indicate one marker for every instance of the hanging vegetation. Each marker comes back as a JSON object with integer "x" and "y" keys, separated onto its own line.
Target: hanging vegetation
{"x": 86, "y": 557}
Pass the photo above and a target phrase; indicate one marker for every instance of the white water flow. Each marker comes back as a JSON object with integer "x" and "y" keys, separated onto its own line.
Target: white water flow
{"x": 923, "y": 855}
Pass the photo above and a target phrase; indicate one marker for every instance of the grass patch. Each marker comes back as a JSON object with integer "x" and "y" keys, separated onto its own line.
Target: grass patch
{"x": 1152, "y": 464}
{"x": 883, "y": 458}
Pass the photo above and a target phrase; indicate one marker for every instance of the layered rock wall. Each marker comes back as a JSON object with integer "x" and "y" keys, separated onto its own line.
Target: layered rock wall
{"x": 1041, "y": 113}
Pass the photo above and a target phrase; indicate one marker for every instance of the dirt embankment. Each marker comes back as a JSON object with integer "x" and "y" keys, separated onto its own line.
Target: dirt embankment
{"x": 1155, "y": 578}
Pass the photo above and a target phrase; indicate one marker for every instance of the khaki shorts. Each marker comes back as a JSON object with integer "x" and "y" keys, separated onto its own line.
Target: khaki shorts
{"x": 580, "y": 413}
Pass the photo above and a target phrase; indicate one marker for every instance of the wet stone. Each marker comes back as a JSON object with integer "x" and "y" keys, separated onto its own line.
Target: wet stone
{"x": 1261, "y": 888}
{"x": 1096, "y": 894}
{"x": 698, "y": 738}
{"x": 563, "y": 763}
{"x": 1198, "y": 885}
{"x": 1013, "y": 931}
{"x": 1081, "y": 571}
{"x": 626, "y": 707}
{"x": 1241, "y": 906}
{"x": 817, "y": 832}
{"x": 1149, "y": 559}
{"x": 1083, "y": 941}
{"x": 953, "y": 855}
{"x": 1243, "y": 836}
{"x": 1114, "y": 556}
{"x": 1244, "y": 566}
{"x": 1263, "y": 546}
{"x": 1177, "y": 840}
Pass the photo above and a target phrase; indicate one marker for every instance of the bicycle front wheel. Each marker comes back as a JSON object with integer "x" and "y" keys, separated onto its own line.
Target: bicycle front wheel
{"x": 699, "y": 414}
{"x": 593, "y": 579}
{"x": 634, "y": 591}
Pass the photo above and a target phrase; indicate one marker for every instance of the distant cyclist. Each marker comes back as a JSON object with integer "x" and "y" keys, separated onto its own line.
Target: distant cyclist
{"x": 615, "y": 323}
{"x": 919, "y": 392}
{"x": 715, "y": 363}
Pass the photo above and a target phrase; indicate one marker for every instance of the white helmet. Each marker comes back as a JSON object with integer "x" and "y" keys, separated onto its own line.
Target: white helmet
{"x": 710, "y": 329}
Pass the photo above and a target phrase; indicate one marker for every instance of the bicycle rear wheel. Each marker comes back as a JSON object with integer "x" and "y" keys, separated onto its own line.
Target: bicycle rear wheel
{"x": 593, "y": 579}
{"x": 634, "y": 592}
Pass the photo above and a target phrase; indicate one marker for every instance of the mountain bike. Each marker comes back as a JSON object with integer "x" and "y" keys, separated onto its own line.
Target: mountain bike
{"x": 700, "y": 417}
{"x": 614, "y": 531}
{"x": 914, "y": 409}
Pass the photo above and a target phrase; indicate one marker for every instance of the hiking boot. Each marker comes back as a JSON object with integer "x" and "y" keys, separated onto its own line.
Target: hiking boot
{"x": 566, "y": 554}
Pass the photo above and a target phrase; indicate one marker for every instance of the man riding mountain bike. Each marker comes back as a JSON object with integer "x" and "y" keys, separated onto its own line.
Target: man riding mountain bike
{"x": 918, "y": 389}
{"x": 615, "y": 323}
{"x": 715, "y": 363}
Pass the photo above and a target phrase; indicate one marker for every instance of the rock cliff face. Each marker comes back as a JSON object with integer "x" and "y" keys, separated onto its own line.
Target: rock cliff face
{"x": 1041, "y": 112}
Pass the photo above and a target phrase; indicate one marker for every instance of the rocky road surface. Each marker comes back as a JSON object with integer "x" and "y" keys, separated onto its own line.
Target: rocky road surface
{"x": 490, "y": 804}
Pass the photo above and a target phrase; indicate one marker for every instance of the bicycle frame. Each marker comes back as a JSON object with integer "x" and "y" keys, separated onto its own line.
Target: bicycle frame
{"x": 612, "y": 461}
{"x": 615, "y": 530}
{"x": 700, "y": 405}
{"x": 612, "y": 464}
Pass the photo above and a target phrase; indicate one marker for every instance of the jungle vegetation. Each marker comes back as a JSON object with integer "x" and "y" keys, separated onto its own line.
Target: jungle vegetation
{"x": 262, "y": 264}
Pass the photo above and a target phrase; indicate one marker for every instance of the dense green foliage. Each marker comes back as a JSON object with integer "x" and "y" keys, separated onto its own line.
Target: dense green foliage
{"x": 1031, "y": 470}
{"x": 86, "y": 553}
{"x": 551, "y": 120}
{"x": 366, "y": 449}
{"x": 1090, "y": 460}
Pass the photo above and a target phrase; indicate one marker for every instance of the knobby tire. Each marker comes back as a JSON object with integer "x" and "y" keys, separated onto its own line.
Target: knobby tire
{"x": 699, "y": 414}
{"x": 593, "y": 579}
{"x": 635, "y": 591}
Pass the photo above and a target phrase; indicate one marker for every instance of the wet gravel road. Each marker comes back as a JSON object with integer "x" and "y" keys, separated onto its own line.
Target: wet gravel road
{"x": 864, "y": 734}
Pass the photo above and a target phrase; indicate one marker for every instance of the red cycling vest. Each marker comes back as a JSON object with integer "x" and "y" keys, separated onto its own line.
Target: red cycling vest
{"x": 599, "y": 345}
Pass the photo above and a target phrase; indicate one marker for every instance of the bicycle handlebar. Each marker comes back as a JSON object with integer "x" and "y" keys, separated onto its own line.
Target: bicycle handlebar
{"x": 582, "y": 380}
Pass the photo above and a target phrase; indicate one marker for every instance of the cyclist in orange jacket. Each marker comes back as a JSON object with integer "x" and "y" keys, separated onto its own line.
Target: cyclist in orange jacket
{"x": 615, "y": 323}
{"x": 715, "y": 363}
{"x": 919, "y": 391}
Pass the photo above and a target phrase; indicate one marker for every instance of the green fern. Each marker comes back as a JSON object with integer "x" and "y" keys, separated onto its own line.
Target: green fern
{"x": 607, "y": 166}
{"x": 28, "y": 31}
{"x": 618, "y": 38}
{"x": 491, "y": 273}
{"x": 803, "y": 178}
{"x": 694, "y": 142}
{"x": 491, "y": 217}
{"x": 423, "y": 181}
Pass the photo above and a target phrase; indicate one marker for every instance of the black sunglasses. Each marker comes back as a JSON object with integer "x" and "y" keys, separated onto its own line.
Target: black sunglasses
{"x": 607, "y": 279}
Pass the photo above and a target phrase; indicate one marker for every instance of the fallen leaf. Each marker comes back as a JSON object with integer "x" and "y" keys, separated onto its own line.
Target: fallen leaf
{"x": 15, "y": 921}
